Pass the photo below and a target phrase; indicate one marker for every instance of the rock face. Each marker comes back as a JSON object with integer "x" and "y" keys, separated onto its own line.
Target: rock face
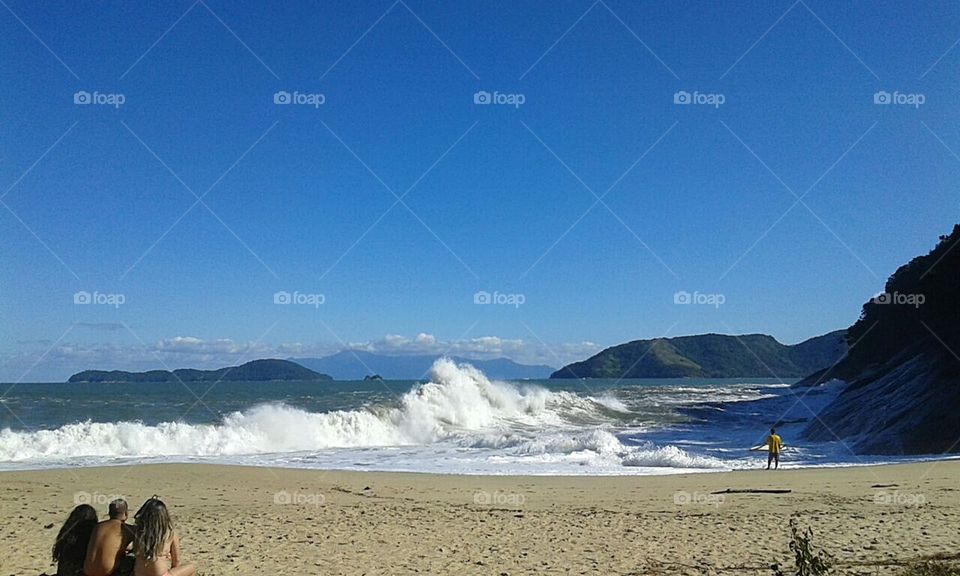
{"x": 710, "y": 356}
{"x": 903, "y": 366}
{"x": 256, "y": 371}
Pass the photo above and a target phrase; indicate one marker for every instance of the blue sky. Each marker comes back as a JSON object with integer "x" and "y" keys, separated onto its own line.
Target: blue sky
{"x": 583, "y": 211}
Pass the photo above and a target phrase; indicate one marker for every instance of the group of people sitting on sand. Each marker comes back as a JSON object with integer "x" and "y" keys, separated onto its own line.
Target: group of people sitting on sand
{"x": 150, "y": 547}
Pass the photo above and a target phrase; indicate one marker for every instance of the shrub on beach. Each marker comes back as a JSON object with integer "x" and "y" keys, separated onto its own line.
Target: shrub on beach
{"x": 808, "y": 561}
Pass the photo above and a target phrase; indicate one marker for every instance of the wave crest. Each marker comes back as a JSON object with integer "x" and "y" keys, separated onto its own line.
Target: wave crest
{"x": 459, "y": 406}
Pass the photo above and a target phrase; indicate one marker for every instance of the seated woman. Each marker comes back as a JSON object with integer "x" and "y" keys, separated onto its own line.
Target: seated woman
{"x": 70, "y": 548}
{"x": 156, "y": 543}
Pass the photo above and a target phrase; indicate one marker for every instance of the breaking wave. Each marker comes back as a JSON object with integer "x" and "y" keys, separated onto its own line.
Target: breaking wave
{"x": 459, "y": 407}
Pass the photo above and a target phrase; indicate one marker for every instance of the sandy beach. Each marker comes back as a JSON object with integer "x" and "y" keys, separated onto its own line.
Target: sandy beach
{"x": 238, "y": 520}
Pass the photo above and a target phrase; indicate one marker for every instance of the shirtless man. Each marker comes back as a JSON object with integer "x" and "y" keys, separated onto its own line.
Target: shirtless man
{"x": 106, "y": 552}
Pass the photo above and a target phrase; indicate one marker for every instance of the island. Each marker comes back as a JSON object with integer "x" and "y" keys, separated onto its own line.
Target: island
{"x": 711, "y": 356}
{"x": 268, "y": 370}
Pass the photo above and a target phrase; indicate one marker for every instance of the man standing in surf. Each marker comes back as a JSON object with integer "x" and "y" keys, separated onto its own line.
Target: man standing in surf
{"x": 774, "y": 445}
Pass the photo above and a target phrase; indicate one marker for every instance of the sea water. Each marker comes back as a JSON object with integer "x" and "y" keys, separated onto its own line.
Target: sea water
{"x": 456, "y": 421}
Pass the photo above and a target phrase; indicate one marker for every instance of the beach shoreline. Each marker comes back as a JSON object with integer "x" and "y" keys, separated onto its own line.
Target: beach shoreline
{"x": 250, "y": 520}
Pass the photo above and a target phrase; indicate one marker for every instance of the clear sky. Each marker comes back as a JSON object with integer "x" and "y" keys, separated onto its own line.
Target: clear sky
{"x": 584, "y": 199}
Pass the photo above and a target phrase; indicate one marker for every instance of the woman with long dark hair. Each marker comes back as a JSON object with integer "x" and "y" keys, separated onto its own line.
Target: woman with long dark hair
{"x": 70, "y": 547}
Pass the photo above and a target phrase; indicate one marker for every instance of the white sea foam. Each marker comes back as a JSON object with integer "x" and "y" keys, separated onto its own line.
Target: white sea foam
{"x": 612, "y": 403}
{"x": 459, "y": 408}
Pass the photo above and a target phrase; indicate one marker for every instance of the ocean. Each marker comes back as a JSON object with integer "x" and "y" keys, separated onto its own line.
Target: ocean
{"x": 455, "y": 421}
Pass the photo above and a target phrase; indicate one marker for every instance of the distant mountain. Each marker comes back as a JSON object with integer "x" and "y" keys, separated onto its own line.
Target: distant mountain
{"x": 903, "y": 369}
{"x": 355, "y": 365}
{"x": 710, "y": 356}
{"x": 256, "y": 371}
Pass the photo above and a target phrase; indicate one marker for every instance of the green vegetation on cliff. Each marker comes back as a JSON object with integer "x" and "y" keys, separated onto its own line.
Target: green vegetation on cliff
{"x": 903, "y": 367}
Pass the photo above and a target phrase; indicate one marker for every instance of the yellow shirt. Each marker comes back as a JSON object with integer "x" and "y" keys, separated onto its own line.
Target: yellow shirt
{"x": 775, "y": 443}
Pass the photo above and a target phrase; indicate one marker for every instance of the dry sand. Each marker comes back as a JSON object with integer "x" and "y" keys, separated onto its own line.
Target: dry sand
{"x": 238, "y": 520}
